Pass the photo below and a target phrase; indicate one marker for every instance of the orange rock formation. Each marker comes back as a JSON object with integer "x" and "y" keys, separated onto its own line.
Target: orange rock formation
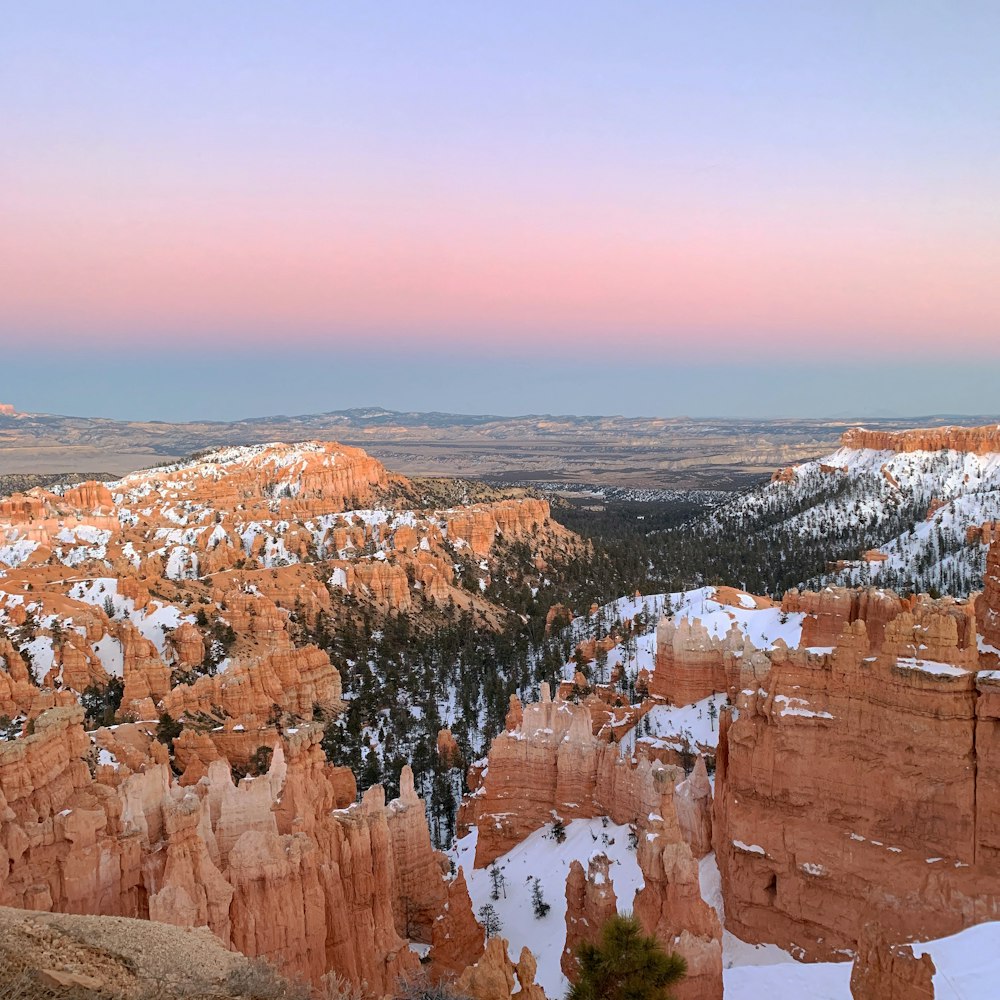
{"x": 553, "y": 765}
{"x": 590, "y": 904}
{"x": 861, "y": 785}
{"x": 988, "y": 605}
{"x": 978, "y": 440}
{"x": 276, "y": 866}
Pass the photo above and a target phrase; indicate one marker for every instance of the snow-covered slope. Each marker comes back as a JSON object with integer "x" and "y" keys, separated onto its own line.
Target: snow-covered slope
{"x": 540, "y": 856}
{"x": 967, "y": 968}
{"x": 912, "y": 507}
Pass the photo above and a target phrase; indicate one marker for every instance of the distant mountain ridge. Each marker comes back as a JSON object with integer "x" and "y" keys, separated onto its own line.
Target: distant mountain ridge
{"x": 629, "y": 452}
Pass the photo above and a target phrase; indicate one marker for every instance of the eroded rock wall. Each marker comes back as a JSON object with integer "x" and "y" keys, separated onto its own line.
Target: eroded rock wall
{"x": 552, "y": 765}
{"x": 284, "y": 866}
{"x": 857, "y": 785}
{"x": 978, "y": 440}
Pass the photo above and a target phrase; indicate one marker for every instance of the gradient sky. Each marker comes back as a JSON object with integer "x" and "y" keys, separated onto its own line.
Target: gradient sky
{"x": 427, "y": 194}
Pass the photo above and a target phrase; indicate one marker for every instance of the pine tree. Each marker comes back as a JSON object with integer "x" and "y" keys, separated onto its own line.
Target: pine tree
{"x": 490, "y": 920}
{"x": 498, "y": 882}
{"x": 538, "y": 903}
{"x": 625, "y": 965}
{"x": 558, "y": 831}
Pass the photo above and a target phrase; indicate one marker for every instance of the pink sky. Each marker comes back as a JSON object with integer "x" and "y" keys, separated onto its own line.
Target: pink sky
{"x": 322, "y": 268}
{"x": 813, "y": 180}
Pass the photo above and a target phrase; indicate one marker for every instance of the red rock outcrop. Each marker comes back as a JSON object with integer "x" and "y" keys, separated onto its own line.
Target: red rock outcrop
{"x": 988, "y": 604}
{"x": 590, "y": 904}
{"x": 421, "y": 891}
{"x": 557, "y": 615}
{"x": 494, "y": 976}
{"x": 16, "y": 690}
{"x": 856, "y": 786}
{"x": 147, "y": 677}
{"x": 978, "y": 440}
{"x": 187, "y": 646}
{"x": 294, "y": 679}
{"x": 885, "y": 971}
{"x": 456, "y": 937}
{"x": 691, "y": 664}
{"x": 828, "y": 612}
{"x": 92, "y": 496}
{"x": 553, "y": 765}
{"x": 670, "y": 906}
{"x": 693, "y": 805}
{"x": 983, "y": 534}
{"x": 478, "y": 526}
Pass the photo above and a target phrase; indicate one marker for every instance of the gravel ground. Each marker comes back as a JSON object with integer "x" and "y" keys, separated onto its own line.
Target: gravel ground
{"x": 129, "y": 958}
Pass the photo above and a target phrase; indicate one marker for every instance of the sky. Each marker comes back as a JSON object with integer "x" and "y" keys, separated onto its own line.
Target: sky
{"x": 231, "y": 209}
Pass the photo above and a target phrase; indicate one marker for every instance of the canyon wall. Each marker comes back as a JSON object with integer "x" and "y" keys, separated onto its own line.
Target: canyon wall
{"x": 860, "y": 784}
{"x": 988, "y": 604}
{"x": 978, "y": 440}
{"x": 549, "y": 763}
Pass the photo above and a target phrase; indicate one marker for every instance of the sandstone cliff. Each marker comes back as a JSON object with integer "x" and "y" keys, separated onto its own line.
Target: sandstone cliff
{"x": 988, "y": 605}
{"x": 978, "y": 440}
{"x": 857, "y": 785}
{"x": 553, "y": 765}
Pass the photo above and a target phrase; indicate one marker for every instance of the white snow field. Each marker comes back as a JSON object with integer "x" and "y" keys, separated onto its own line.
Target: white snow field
{"x": 539, "y": 856}
{"x": 967, "y": 963}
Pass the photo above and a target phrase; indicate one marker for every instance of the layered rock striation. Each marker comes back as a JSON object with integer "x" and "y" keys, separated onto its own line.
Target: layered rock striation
{"x": 988, "y": 604}
{"x": 552, "y": 766}
{"x": 857, "y": 784}
{"x": 978, "y": 440}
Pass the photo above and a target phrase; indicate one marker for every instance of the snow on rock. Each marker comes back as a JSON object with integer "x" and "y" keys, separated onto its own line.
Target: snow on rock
{"x": 762, "y": 626}
{"x": 14, "y": 553}
{"x": 671, "y": 724}
{"x": 913, "y": 508}
{"x": 109, "y": 651}
{"x": 789, "y": 981}
{"x": 539, "y": 856}
{"x": 967, "y": 963}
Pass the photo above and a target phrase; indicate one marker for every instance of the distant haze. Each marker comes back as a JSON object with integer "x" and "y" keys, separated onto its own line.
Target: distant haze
{"x": 191, "y": 385}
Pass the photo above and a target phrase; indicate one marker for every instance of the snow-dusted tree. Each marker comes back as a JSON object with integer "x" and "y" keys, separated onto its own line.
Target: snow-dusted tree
{"x": 498, "y": 882}
{"x": 538, "y": 903}
{"x": 490, "y": 920}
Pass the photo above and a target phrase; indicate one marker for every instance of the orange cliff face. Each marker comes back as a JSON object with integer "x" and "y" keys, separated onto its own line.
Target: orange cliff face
{"x": 978, "y": 440}
{"x": 988, "y": 604}
{"x": 551, "y": 764}
{"x": 856, "y": 780}
{"x": 859, "y": 784}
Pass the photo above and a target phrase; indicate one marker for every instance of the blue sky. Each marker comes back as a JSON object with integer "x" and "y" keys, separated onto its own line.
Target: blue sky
{"x": 805, "y": 193}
